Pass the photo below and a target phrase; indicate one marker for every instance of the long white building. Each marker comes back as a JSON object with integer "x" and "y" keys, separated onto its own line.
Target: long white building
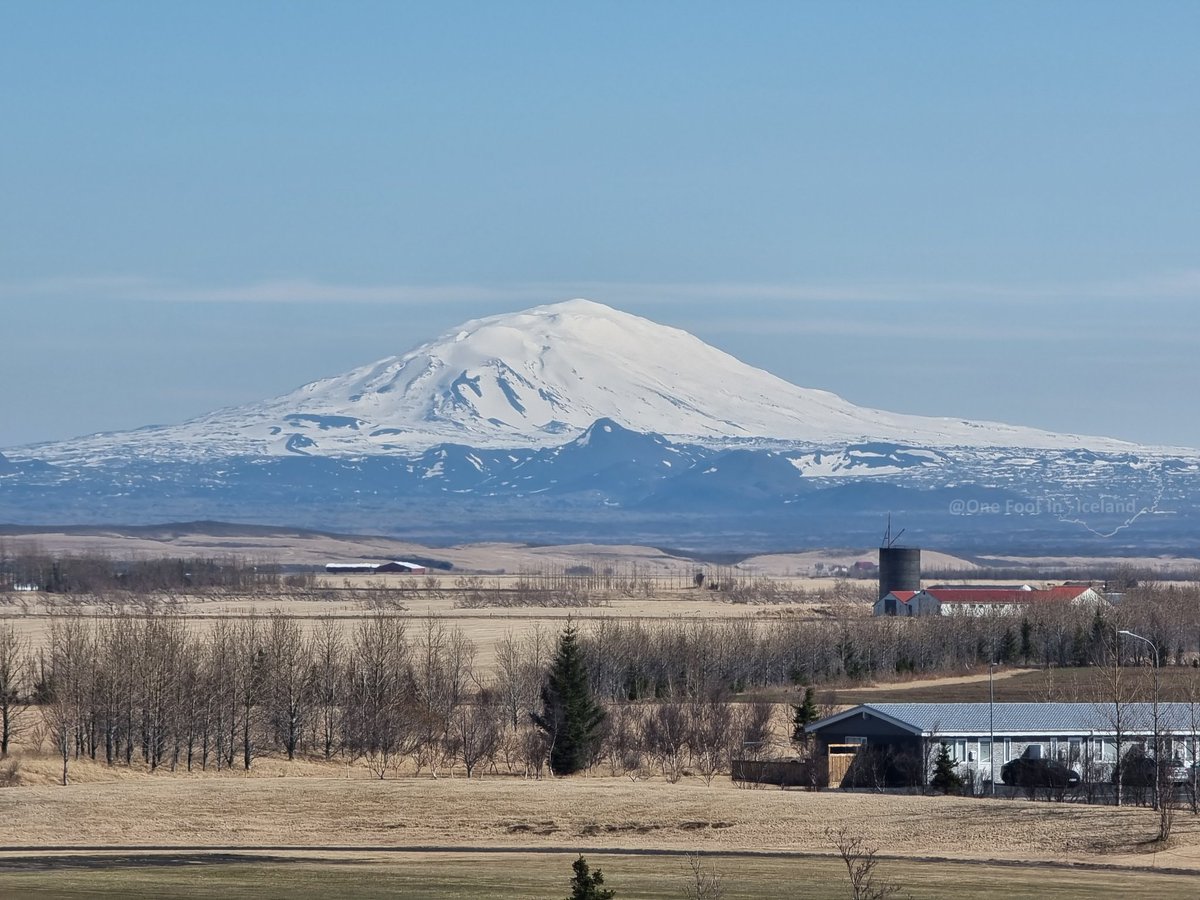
{"x": 969, "y": 601}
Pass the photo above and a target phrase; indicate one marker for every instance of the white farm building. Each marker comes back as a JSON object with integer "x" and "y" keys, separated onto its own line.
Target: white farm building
{"x": 375, "y": 568}
{"x": 979, "y": 601}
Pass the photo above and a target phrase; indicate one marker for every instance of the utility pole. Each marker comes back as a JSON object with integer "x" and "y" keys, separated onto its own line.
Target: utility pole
{"x": 1159, "y": 766}
{"x": 992, "y": 721}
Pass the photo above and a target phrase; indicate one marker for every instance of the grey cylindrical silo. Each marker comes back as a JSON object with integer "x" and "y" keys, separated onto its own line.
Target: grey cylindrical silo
{"x": 899, "y": 569}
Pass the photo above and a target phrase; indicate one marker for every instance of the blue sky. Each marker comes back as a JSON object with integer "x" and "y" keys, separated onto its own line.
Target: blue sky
{"x": 981, "y": 210}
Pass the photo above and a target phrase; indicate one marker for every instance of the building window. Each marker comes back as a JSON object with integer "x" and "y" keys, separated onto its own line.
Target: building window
{"x": 1174, "y": 750}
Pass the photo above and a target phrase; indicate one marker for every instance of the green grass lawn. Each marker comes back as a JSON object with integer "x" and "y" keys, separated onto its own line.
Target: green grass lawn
{"x": 546, "y": 875}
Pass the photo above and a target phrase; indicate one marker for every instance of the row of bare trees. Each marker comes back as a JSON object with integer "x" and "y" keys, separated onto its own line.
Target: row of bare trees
{"x": 633, "y": 659}
{"x": 24, "y": 564}
{"x": 149, "y": 690}
{"x": 701, "y": 736}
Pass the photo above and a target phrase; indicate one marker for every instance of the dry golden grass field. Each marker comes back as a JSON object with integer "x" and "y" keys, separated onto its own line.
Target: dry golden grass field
{"x": 1066, "y": 685}
{"x": 349, "y": 598}
{"x": 484, "y": 626}
{"x": 307, "y": 829}
{"x": 282, "y": 805}
{"x": 658, "y": 585}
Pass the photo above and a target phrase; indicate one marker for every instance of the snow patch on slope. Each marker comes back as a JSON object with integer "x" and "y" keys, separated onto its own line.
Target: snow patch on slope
{"x": 530, "y": 378}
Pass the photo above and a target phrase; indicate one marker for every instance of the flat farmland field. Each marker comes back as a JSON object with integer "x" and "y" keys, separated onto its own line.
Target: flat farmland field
{"x": 32, "y": 615}
{"x": 1068, "y": 685}
{"x": 308, "y": 805}
{"x": 311, "y": 828}
{"x": 278, "y": 834}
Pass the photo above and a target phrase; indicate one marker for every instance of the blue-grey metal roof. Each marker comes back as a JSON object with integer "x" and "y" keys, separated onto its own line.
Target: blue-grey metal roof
{"x": 1028, "y": 718}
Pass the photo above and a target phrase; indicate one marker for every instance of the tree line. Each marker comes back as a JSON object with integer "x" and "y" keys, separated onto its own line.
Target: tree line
{"x": 633, "y": 659}
{"x": 150, "y": 687}
{"x": 149, "y": 690}
{"x": 91, "y": 573}
{"x": 94, "y": 576}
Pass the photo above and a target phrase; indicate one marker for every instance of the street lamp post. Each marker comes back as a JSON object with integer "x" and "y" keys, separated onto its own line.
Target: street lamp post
{"x": 992, "y": 722}
{"x": 1158, "y": 762}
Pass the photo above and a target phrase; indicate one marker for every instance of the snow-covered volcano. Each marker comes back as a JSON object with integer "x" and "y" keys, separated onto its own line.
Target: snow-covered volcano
{"x": 538, "y": 378}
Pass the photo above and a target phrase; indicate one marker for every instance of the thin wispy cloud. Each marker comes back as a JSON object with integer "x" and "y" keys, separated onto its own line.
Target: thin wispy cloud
{"x": 306, "y": 291}
{"x": 1183, "y": 285}
{"x": 1174, "y": 285}
{"x": 924, "y": 331}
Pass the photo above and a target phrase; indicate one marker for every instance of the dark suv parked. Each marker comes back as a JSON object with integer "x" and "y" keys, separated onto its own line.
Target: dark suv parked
{"x": 1033, "y": 773}
{"x": 1139, "y": 770}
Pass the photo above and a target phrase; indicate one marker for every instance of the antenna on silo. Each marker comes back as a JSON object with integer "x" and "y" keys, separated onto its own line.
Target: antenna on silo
{"x": 888, "y": 540}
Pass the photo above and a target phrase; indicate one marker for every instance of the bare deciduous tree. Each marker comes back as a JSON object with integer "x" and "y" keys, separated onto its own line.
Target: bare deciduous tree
{"x": 378, "y": 712}
{"x": 861, "y": 864}
{"x": 66, "y": 685}
{"x": 14, "y": 684}
{"x": 250, "y": 677}
{"x": 700, "y": 881}
{"x": 443, "y": 667}
{"x": 621, "y": 744}
{"x": 753, "y": 729}
{"x": 666, "y": 736}
{"x": 475, "y": 732}
{"x": 711, "y": 737}
{"x": 289, "y": 678}
{"x": 1116, "y": 692}
{"x": 328, "y": 653}
{"x": 520, "y": 666}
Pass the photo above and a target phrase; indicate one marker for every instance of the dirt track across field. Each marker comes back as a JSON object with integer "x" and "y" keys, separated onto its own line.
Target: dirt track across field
{"x": 947, "y": 681}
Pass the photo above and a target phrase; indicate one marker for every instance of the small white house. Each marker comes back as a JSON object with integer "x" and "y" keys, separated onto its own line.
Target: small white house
{"x": 983, "y": 737}
{"x": 896, "y": 603}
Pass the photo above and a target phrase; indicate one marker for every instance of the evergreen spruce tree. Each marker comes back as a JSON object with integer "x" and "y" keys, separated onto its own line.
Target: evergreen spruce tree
{"x": 945, "y": 777}
{"x": 802, "y": 713}
{"x": 586, "y": 885}
{"x": 1081, "y": 651}
{"x": 1099, "y": 630}
{"x": 1008, "y": 646}
{"x": 570, "y": 717}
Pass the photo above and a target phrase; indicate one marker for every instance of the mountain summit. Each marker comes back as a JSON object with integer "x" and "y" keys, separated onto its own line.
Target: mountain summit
{"x": 538, "y": 378}
{"x": 575, "y": 422}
